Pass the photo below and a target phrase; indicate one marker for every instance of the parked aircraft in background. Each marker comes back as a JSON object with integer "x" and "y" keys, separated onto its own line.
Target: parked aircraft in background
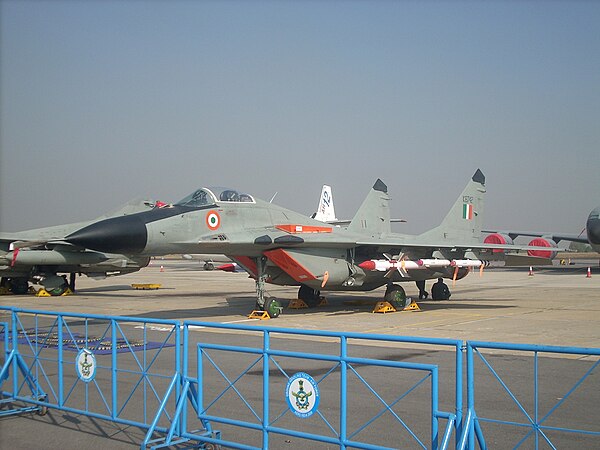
{"x": 550, "y": 240}
{"x": 208, "y": 261}
{"x": 40, "y": 256}
{"x": 325, "y": 210}
{"x": 283, "y": 247}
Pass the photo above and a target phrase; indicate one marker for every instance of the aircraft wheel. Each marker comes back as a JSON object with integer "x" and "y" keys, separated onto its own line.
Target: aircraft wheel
{"x": 209, "y": 266}
{"x": 396, "y": 296}
{"x": 309, "y": 295}
{"x": 19, "y": 286}
{"x": 58, "y": 291}
{"x": 273, "y": 308}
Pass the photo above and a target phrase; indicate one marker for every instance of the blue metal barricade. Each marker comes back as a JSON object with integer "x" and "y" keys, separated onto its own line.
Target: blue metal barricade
{"x": 268, "y": 387}
{"x": 530, "y": 404}
{"x": 114, "y": 368}
{"x": 249, "y": 399}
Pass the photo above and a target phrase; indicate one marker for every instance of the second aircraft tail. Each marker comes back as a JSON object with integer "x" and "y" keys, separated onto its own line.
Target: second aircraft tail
{"x": 464, "y": 221}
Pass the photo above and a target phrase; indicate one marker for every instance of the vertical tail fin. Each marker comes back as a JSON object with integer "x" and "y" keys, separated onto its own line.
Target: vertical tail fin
{"x": 464, "y": 220}
{"x": 373, "y": 216}
{"x": 325, "y": 211}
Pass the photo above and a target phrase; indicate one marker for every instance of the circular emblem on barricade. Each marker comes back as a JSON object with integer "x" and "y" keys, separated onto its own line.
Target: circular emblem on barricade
{"x": 86, "y": 365}
{"x": 213, "y": 220}
{"x": 302, "y": 393}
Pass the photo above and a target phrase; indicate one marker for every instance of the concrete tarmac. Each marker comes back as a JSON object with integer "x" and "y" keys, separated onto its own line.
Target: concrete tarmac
{"x": 552, "y": 307}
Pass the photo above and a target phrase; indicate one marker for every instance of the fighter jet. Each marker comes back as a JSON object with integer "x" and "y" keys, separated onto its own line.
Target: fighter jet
{"x": 551, "y": 239}
{"x": 41, "y": 255}
{"x": 279, "y": 246}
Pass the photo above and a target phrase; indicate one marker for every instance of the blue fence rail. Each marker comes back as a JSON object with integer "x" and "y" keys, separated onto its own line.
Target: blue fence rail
{"x": 275, "y": 367}
{"x": 99, "y": 366}
{"x": 177, "y": 381}
{"x": 566, "y": 400}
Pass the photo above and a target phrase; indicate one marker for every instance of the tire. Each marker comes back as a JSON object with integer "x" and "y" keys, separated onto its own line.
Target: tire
{"x": 209, "y": 266}
{"x": 309, "y": 295}
{"x": 58, "y": 291}
{"x": 19, "y": 286}
{"x": 396, "y": 296}
{"x": 273, "y": 308}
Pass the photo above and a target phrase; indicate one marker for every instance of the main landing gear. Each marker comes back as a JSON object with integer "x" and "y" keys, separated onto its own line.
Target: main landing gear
{"x": 271, "y": 307}
{"x": 423, "y": 294}
{"x": 310, "y": 296}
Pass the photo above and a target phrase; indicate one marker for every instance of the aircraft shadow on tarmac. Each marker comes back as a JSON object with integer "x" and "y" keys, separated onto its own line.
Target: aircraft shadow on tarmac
{"x": 118, "y": 435}
{"x": 337, "y": 306}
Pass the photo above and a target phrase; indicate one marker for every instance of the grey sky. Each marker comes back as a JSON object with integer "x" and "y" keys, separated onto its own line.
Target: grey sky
{"x": 102, "y": 102}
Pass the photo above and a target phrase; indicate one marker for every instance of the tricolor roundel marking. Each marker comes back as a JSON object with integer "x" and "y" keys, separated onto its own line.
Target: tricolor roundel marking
{"x": 213, "y": 220}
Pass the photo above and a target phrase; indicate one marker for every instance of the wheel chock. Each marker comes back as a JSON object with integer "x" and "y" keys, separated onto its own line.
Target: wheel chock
{"x": 4, "y": 291}
{"x": 384, "y": 307}
{"x": 67, "y": 292}
{"x": 258, "y": 314}
{"x": 296, "y": 303}
{"x": 43, "y": 293}
{"x": 323, "y": 301}
{"x": 412, "y": 307}
{"x": 146, "y": 286}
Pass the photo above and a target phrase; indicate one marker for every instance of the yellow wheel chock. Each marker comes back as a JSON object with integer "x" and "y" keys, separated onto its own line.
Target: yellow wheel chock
{"x": 44, "y": 293}
{"x": 386, "y": 307}
{"x": 296, "y": 303}
{"x": 258, "y": 314}
{"x": 412, "y": 307}
{"x": 146, "y": 286}
{"x": 301, "y": 304}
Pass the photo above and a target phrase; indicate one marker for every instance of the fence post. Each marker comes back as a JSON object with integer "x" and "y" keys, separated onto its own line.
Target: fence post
{"x": 343, "y": 390}
{"x": 266, "y": 348}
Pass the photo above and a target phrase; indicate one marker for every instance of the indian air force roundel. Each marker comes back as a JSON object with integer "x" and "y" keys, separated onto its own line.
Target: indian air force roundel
{"x": 302, "y": 393}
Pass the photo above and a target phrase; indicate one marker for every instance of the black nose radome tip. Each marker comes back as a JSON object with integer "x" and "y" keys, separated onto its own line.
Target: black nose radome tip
{"x": 593, "y": 230}
{"x": 126, "y": 234}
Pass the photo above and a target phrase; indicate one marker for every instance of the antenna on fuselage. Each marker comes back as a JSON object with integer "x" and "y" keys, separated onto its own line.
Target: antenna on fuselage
{"x": 273, "y": 198}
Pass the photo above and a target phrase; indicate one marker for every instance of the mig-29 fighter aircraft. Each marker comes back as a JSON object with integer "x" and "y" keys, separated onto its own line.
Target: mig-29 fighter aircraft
{"x": 279, "y": 246}
{"x": 41, "y": 255}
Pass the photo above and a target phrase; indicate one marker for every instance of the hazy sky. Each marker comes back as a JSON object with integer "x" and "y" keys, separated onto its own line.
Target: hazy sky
{"x": 105, "y": 101}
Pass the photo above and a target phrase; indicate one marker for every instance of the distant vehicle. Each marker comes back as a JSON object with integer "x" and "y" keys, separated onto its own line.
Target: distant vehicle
{"x": 40, "y": 256}
{"x": 283, "y": 247}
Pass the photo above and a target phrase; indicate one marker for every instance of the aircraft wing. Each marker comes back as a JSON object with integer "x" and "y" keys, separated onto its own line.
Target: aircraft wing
{"x": 556, "y": 237}
{"x": 454, "y": 245}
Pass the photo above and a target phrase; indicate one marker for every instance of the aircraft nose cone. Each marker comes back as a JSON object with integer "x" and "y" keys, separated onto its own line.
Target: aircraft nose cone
{"x": 593, "y": 230}
{"x": 125, "y": 234}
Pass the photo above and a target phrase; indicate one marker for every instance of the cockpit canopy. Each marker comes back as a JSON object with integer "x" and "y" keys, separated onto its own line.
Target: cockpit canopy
{"x": 212, "y": 195}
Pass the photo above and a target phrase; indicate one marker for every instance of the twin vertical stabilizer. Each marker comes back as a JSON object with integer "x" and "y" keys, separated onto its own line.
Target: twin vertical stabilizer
{"x": 373, "y": 216}
{"x": 464, "y": 221}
